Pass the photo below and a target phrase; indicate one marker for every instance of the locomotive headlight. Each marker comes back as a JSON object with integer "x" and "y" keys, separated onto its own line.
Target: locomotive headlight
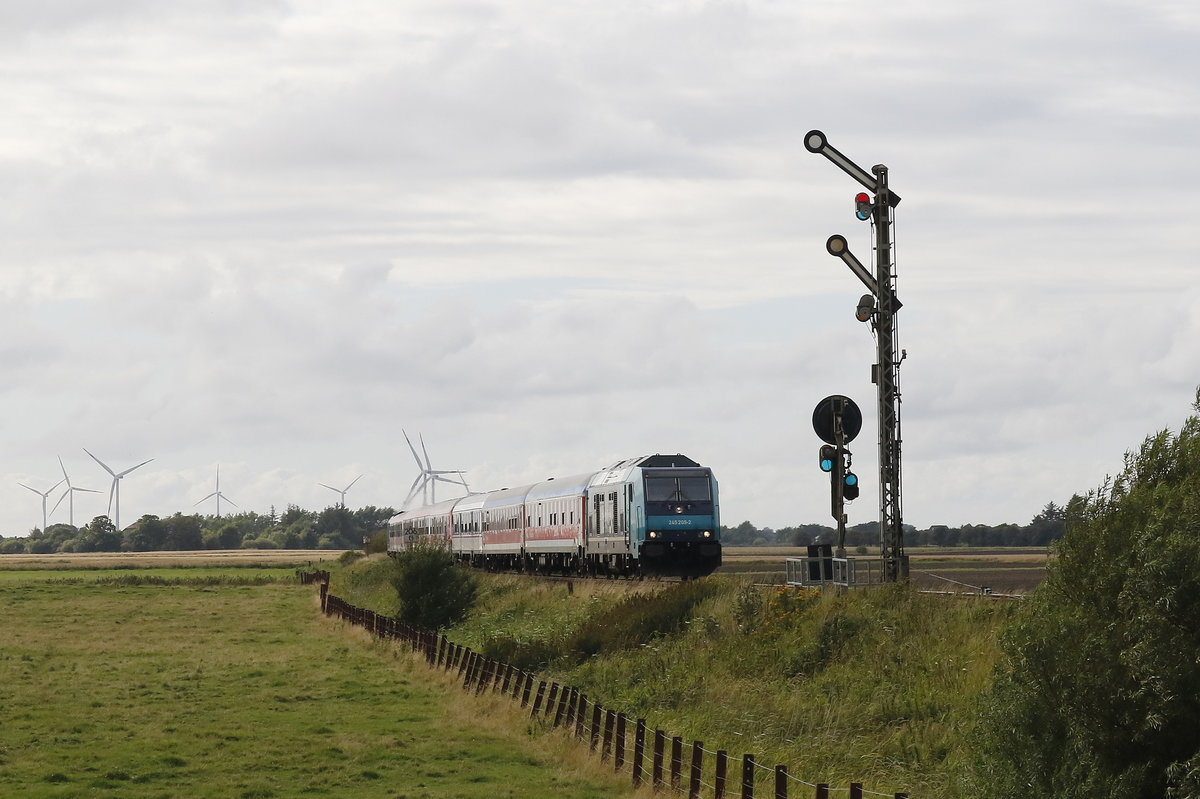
{"x": 654, "y": 534}
{"x": 707, "y": 533}
{"x": 679, "y": 509}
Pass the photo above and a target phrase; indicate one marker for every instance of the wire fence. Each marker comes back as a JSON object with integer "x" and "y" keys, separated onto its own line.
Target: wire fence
{"x": 650, "y": 756}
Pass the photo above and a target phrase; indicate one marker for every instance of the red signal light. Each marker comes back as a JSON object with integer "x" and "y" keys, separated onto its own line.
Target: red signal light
{"x": 863, "y": 205}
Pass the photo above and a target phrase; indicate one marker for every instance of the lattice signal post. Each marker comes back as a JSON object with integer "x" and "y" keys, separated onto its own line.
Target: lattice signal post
{"x": 879, "y": 309}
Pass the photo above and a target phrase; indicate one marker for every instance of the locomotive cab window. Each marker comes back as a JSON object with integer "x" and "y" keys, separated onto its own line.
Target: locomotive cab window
{"x": 678, "y": 489}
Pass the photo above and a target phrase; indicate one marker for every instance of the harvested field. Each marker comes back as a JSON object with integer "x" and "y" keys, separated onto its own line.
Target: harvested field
{"x": 214, "y": 557}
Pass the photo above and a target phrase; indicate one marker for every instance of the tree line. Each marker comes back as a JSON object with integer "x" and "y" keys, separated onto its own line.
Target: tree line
{"x": 1046, "y": 527}
{"x": 335, "y": 527}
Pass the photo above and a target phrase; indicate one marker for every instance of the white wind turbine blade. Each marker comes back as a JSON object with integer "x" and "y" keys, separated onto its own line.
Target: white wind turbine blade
{"x": 60, "y": 499}
{"x": 412, "y": 490}
{"x": 428, "y": 465}
{"x": 352, "y": 482}
{"x": 227, "y": 499}
{"x": 131, "y": 468}
{"x": 210, "y": 496}
{"x": 103, "y": 465}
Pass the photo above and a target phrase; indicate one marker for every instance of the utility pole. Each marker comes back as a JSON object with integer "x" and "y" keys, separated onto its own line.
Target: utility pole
{"x": 879, "y": 308}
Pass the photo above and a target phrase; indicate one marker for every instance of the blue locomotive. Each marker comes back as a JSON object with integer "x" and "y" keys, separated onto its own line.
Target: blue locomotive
{"x": 652, "y": 515}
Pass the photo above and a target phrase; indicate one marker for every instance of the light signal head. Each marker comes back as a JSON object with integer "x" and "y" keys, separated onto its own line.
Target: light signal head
{"x": 864, "y": 206}
{"x": 850, "y": 486}
{"x": 826, "y": 457}
{"x": 866, "y": 308}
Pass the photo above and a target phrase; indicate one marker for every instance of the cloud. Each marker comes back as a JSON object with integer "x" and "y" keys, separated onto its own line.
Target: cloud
{"x": 549, "y": 235}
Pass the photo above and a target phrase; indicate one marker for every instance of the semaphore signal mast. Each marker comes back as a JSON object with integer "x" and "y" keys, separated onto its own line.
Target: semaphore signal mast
{"x": 879, "y": 309}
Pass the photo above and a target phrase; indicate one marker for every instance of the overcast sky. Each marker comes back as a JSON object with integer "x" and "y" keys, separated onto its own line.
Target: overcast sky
{"x": 548, "y": 235}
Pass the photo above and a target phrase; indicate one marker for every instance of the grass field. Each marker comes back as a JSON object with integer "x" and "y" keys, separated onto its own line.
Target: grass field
{"x": 217, "y": 690}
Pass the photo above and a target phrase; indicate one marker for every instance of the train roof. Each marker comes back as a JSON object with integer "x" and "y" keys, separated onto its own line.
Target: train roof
{"x": 506, "y": 496}
{"x": 555, "y": 487}
{"x": 436, "y": 509}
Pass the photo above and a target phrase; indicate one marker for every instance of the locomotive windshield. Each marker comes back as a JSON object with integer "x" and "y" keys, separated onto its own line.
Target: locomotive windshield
{"x": 678, "y": 488}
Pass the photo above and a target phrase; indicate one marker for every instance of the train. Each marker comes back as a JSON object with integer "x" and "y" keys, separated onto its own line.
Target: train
{"x": 653, "y": 515}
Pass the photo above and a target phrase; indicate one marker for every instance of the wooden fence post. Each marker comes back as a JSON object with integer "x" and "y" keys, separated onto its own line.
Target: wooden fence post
{"x": 472, "y": 667}
{"x": 822, "y": 790}
{"x": 606, "y": 741}
{"x": 537, "y": 703}
{"x": 639, "y": 750}
{"x": 464, "y": 657}
{"x": 781, "y": 782}
{"x": 748, "y": 777}
{"x": 619, "y": 745}
{"x": 856, "y": 790}
{"x": 563, "y": 693}
{"x": 595, "y": 731}
{"x": 528, "y": 688}
{"x": 580, "y": 715}
{"x": 572, "y": 701}
{"x": 550, "y": 700}
{"x": 697, "y": 767}
{"x": 676, "y": 761}
{"x": 656, "y": 765}
{"x": 722, "y": 772}
{"x": 485, "y": 675}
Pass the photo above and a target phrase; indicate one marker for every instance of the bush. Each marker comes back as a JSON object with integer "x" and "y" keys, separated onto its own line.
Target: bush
{"x": 12, "y": 546}
{"x": 1099, "y": 694}
{"x": 639, "y": 619}
{"x": 377, "y": 542}
{"x": 527, "y": 655}
{"x": 433, "y": 590}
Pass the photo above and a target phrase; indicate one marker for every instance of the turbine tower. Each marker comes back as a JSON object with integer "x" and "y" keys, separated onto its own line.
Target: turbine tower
{"x": 429, "y": 477}
{"x": 115, "y": 491}
{"x": 342, "y": 491}
{"x": 218, "y": 494}
{"x": 43, "y": 495}
{"x": 70, "y": 491}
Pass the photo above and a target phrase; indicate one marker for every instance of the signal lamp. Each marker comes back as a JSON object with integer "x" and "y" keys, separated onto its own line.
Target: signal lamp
{"x": 863, "y": 206}
{"x": 866, "y": 308}
{"x": 850, "y": 486}
{"x": 826, "y": 457}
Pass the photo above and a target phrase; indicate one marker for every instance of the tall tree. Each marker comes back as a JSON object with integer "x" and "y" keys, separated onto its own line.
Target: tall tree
{"x": 1099, "y": 693}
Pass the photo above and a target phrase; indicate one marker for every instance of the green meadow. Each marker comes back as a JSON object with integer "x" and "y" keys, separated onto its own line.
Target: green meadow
{"x": 200, "y": 686}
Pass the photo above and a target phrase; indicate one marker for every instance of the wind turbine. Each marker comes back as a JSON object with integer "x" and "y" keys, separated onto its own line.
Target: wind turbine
{"x": 429, "y": 477}
{"x": 43, "y": 495}
{"x": 342, "y": 491}
{"x": 116, "y": 485}
{"x": 71, "y": 491}
{"x": 218, "y": 494}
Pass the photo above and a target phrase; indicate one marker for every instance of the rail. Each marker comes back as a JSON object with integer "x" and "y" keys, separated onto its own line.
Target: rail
{"x": 625, "y": 743}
